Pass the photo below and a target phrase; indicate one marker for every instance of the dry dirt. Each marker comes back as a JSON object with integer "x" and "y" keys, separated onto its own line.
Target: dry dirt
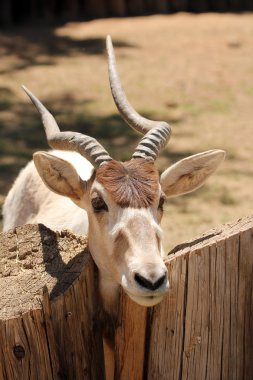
{"x": 195, "y": 71}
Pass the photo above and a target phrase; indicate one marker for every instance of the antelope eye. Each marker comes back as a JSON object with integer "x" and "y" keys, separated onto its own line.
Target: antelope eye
{"x": 99, "y": 204}
{"x": 161, "y": 203}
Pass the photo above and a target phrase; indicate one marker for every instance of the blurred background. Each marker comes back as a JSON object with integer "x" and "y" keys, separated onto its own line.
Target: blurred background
{"x": 193, "y": 69}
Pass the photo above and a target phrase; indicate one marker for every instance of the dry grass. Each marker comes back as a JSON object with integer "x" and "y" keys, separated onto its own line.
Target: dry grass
{"x": 193, "y": 70}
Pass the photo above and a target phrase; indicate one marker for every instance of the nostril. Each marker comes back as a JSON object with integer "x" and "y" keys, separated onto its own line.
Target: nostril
{"x": 159, "y": 282}
{"x": 145, "y": 283}
{"x": 142, "y": 281}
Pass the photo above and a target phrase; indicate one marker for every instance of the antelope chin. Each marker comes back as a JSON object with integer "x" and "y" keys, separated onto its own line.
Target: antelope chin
{"x": 147, "y": 301}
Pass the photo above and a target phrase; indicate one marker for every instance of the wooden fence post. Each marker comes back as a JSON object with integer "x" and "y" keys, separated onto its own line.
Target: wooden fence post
{"x": 42, "y": 337}
{"x": 95, "y": 8}
{"x": 117, "y": 8}
{"x": 198, "y": 5}
{"x": 130, "y": 340}
{"x": 5, "y": 13}
{"x": 179, "y": 5}
{"x": 160, "y": 6}
{"x": 135, "y": 7}
{"x": 203, "y": 329}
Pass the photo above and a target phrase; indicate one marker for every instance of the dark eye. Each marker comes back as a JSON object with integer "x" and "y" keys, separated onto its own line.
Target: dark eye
{"x": 99, "y": 204}
{"x": 161, "y": 203}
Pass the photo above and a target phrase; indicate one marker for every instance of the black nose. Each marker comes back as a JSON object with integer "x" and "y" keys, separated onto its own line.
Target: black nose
{"x": 146, "y": 283}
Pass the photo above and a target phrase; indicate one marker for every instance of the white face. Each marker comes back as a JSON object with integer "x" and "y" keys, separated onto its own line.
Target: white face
{"x": 125, "y": 242}
{"x": 126, "y": 246}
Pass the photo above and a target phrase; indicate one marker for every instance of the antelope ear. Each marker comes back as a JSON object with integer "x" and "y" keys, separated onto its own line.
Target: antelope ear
{"x": 59, "y": 175}
{"x": 190, "y": 173}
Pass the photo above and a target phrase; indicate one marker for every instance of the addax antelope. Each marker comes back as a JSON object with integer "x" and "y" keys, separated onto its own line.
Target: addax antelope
{"x": 119, "y": 205}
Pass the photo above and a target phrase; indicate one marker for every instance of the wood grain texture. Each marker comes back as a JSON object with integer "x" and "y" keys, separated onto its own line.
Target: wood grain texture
{"x": 48, "y": 307}
{"x": 50, "y": 324}
{"x": 130, "y": 340}
{"x": 204, "y": 329}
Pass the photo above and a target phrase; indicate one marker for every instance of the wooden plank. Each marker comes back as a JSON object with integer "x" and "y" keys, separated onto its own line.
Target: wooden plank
{"x": 135, "y": 7}
{"x": 197, "y": 316}
{"x": 217, "y": 286}
{"x": 160, "y": 6}
{"x": 79, "y": 340}
{"x": 95, "y": 8}
{"x": 198, "y": 5}
{"x": 205, "y": 330}
{"x": 235, "y": 5}
{"x": 202, "y": 330}
{"x": 179, "y": 5}
{"x": 130, "y": 341}
{"x": 25, "y": 354}
{"x": 220, "y": 5}
{"x": 166, "y": 331}
{"x": 5, "y": 12}
{"x": 246, "y": 297}
{"x": 116, "y": 8}
{"x": 48, "y": 336}
{"x": 47, "y": 313}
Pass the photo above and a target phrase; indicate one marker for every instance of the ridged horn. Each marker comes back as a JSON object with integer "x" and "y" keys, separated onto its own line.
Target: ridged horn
{"x": 87, "y": 146}
{"x": 157, "y": 133}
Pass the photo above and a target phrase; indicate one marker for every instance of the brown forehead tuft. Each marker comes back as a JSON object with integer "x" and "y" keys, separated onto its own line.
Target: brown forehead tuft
{"x": 133, "y": 183}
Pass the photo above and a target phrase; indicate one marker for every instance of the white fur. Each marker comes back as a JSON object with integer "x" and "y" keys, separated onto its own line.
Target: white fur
{"x": 30, "y": 201}
{"x": 138, "y": 254}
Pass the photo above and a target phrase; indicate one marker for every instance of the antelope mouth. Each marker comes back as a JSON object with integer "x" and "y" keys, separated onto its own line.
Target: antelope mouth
{"x": 146, "y": 300}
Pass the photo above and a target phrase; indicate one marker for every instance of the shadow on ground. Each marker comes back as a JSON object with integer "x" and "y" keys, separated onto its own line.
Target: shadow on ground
{"x": 41, "y": 46}
{"x": 22, "y": 133}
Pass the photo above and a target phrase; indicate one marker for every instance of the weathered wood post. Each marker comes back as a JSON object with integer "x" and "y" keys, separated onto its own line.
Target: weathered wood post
{"x": 95, "y": 8}
{"x": 5, "y": 13}
{"x": 48, "y": 307}
{"x": 116, "y": 8}
{"x": 202, "y": 330}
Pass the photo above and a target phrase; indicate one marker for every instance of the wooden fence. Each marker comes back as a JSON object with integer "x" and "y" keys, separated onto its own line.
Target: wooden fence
{"x": 14, "y": 11}
{"x": 202, "y": 330}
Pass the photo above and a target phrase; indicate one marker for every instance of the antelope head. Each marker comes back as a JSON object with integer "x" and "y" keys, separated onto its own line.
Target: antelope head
{"x": 123, "y": 200}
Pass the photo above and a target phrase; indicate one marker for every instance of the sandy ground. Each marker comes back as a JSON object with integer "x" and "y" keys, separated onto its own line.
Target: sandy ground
{"x": 195, "y": 71}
